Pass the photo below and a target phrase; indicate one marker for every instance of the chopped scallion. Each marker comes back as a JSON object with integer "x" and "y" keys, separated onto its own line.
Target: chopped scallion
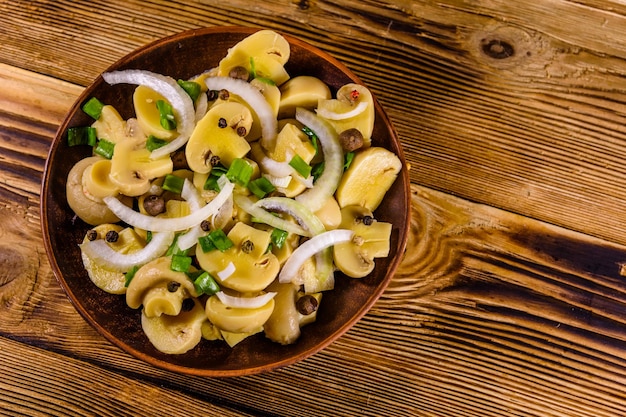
{"x": 175, "y": 250}
{"x": 128, "y": 276}
{"x": 192, "y": 88}
{"x": 348, "y": 157}
{"x": 93, "y": 107}
{"x": 265, "y": 80}
{"x": 261, "y": 187}
{"x": 204, "y": 283}
{"x": 81, "y": 135}
{"x": 155, "y": 143}
{"x": 317, "y": 170}
{"x": 217, "y": 239}
{"x": 278, "y": 237}
{"x": 173, "y": 183}
{"x": 300, "y": 166}
{"x": 240, "y": 172}
{"x": 166, "y": 114}
{"x": 180, "y": 263}
{"x": 252, "y": 68}
{"x": 105, "y": 148}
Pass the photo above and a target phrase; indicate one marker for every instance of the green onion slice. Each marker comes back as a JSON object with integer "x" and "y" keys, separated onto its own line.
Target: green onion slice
{"x": 180, "y": 263}
{"x": 93, "y": 107}
{"x": 105, "y": 148}
{"x": 217, "y": 239}
{"x": 192, "y": 88}
{"x": 301, "y": 166}
{"x": 261, "y": 187}
{"x": 240, "y": 172}
{"x": 173, "y": 183}
{"x": 204, "y": 283}
{"x": 155, "y": 143}
{"x": 166, "y": 114}
{"x": 81, "y": 135}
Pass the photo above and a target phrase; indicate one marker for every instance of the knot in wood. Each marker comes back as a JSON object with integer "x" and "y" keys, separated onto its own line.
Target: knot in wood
{"x": 497, "y": 48}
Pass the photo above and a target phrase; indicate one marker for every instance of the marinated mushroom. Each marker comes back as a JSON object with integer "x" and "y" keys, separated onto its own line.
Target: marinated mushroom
{"x": 369, "y": 177}
{"x": 252, "y": 269}
{"x": 209, "y": 139}
{"x": 148, "y": 116}
{"x": 149, "y": 287}
{"x": 127, "y": 241}
{"x": 97, "y": 180}
{"x": 262, "y": 54}
{"x": 87, "y": 207}
{"x": 132, "y": 168}
{"x": 302, "y": 91}
{"x": 353, "y": 107}
{"x": 283, "y": 326}
{"x": 237, "y": 319}
{"x": 110, "y": 125}
{"x": 175, "y": 334}
{"x": 371, "y": 240}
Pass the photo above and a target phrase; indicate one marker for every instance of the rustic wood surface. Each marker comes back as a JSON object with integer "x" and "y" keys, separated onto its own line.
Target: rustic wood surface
{"x": 510, "y": 300}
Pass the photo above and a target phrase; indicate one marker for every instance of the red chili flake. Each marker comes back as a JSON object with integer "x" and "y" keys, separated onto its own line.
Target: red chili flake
{"x": 354, "y": 95}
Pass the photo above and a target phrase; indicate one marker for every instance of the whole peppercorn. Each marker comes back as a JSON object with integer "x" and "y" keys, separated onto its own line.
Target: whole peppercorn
{"x": 173, "y": 286}
{"x": 240, "y": 73}
{"x": 154, "y": 205}
{"x": 247, "y": 246}
{"x": 92, "y": 235}
{"x": 351, "y": 139}
{"x": 111, "y": 236}
{"x": 307, "y": 304}
{"x": 222, "y": 123}
{"x": 223, "y": 95}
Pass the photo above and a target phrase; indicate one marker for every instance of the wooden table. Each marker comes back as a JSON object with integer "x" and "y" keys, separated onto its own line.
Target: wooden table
{"x": 511, "y": 299}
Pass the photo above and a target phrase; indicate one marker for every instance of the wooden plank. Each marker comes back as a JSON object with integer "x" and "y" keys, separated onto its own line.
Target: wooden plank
{"x": 40, "y": 383}
{"x": 538, "y": 131}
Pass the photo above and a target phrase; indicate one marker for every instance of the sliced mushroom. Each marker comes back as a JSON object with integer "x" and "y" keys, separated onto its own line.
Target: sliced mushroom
{"x": 371, "y": 240}
{"x": 148, "y": 116}
{"x": 265, "y": 50}
{"x": 132, "y": 168}
{"x": 369, "y": 177}
{"x": 97, "y": 181}
{"x": 110, "y": 125}
{"x": 236, "y": 319}
{"x": 87, "y": 207}
{"x": 302, "y": 91}
{"x": 175, "y": 334}
{"x": 337, "y": 112}
{"x": 330, "y": 214}
{"x": 150, "y": 284}
{"x": 104, "y": 278}
{"x": 216, "y": 134}
{"x": 254, "y": 267}
{"x": 283, "y": 326}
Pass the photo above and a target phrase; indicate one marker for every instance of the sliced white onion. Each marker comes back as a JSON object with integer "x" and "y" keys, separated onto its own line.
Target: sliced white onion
{"x": 278, "y": 182}
{"x": 157, "y": 224}
{"x": 202, "y": 105}
{"x": 190, "y": 194}
{"x": 327, "y": 183}
{"x": 295, "y": 209}
{"x": 182, "y": 105}
{"x": 330, "y": 115}
{"x": 245, "y": 302}
{"x": 248, "y": 205}
{"x": 225, "y": 273}
{"x": 100, "y": 252}
{"x": 309, "y": 248}
{"x": 274, "y": 167}
{"x": 255, "y": 100}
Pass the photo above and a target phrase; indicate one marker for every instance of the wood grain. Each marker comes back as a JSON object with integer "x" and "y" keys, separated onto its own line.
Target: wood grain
{"x": 491, "y": 314}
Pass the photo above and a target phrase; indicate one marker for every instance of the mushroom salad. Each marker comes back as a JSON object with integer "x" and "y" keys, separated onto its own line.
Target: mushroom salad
{"x": 225, "y": 206}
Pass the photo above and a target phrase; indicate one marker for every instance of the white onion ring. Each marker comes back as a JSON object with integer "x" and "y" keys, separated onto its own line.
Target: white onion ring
{"x": 182, "y": 105}
{"x": 255, "y": 100}
{"x": 309, "y": 248}
{"x": 360, "y": 108}
{"x": 156, "y": 224}
{"x": 326, "y": 185}
{"x": 103, "y": 254}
